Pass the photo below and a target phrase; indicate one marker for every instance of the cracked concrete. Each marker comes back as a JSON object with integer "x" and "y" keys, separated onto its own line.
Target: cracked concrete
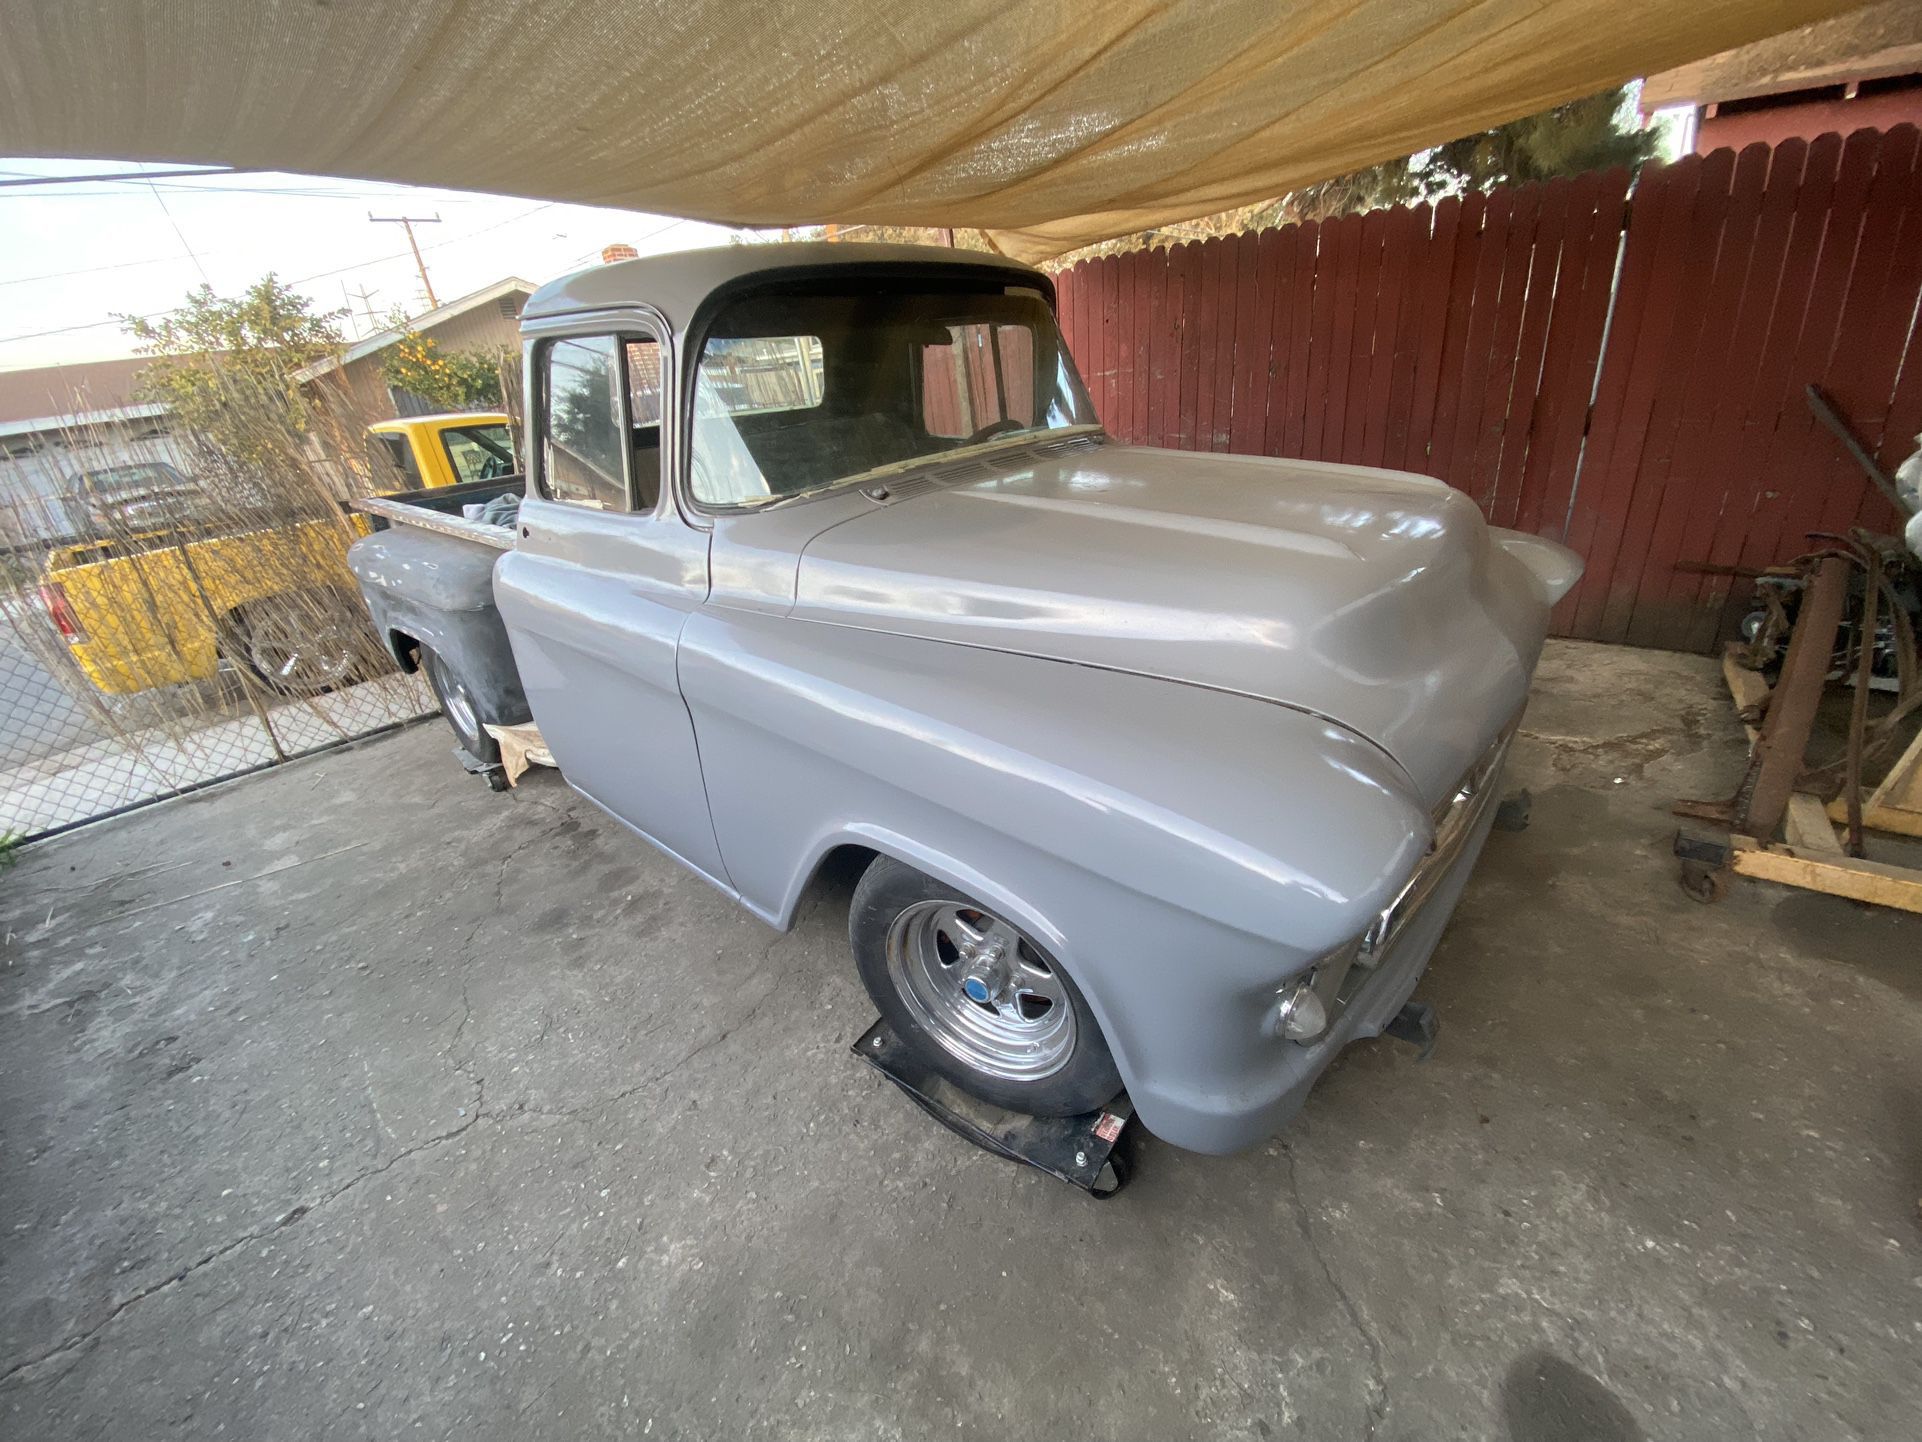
{"x": 354, "y": 1100}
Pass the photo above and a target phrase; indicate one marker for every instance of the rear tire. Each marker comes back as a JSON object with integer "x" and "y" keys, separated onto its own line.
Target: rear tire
{"x": 975, "y": 997}
{"x": 458, "y": 706}
{"x": 299, "y": 643}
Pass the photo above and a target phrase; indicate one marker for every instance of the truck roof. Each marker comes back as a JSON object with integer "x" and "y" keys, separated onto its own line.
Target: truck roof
{"x": 676, "y": 283}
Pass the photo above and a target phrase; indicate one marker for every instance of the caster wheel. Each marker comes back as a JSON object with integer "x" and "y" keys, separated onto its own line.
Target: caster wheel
{"x": 497, "y": 780}
{"x": 1704, "y": 883}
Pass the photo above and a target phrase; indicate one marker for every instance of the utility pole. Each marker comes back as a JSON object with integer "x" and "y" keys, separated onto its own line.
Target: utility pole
{"x": 407, "y": 223}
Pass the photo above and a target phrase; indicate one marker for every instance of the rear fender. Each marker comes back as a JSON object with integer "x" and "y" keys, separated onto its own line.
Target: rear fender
{"x": 438, "y": 592}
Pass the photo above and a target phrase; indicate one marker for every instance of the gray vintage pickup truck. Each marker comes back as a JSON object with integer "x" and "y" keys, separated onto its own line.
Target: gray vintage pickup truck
{"x": 1165, "y": 769}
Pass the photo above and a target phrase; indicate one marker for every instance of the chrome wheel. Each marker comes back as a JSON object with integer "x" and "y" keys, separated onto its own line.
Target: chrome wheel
{"x": 981, "y": 990}
{"x": 460, "y": 709}
{"x": 298, "y": 655}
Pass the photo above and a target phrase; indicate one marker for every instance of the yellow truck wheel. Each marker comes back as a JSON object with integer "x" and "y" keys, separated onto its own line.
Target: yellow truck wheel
{"x": 301, "y": 643}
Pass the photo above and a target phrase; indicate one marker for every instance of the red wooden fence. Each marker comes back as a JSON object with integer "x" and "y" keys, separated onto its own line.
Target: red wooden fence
{"x": 1466, "y": 340}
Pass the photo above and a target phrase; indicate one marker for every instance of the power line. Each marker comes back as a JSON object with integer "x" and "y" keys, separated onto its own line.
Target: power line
{"x": 308, "y": 279}
{"x": 160, "y": 201}
{"x": 133, "y": 175}
{"x": 95, "y": 269}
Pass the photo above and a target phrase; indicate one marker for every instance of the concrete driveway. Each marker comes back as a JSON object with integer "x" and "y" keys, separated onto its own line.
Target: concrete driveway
{"x": 353, "y": 1100}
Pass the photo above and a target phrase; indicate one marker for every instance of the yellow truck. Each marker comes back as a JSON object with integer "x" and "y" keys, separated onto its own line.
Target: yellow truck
{"x": 163, "y": 607}
{"x": 422, "y": 452}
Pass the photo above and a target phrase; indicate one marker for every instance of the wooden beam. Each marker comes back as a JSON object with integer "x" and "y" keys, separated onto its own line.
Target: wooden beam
{"x": 1808, "y": 827}
{"x": 1749, "y": 688}
{"x": 1894, "y": 806}
{"x": 1870, "y": 881}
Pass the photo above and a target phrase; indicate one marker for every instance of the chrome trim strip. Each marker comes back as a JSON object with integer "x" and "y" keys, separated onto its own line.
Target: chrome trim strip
{"x": 1472, "y": 799}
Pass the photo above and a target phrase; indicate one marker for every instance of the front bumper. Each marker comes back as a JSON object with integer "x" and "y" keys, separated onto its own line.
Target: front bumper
{"x": 1366, "y": 996}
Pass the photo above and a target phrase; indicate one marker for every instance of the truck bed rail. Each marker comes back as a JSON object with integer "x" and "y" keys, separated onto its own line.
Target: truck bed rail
{"x": 407, "y": 513}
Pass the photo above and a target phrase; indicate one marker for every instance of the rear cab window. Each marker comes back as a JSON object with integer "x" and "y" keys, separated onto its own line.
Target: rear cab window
{"x": 480, "y": 452}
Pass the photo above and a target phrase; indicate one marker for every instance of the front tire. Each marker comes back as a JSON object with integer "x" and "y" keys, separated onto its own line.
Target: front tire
{"x": 975, "y": 997}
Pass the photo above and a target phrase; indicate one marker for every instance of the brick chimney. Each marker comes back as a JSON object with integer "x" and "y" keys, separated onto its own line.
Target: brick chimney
{"x": 620, "y": 250}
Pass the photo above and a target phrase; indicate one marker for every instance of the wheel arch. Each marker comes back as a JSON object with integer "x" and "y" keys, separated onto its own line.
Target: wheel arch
{"x": 864, "y": 842}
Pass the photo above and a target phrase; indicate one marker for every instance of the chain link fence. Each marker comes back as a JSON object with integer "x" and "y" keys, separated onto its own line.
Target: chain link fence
{"x": 169, "y": 619}
{"x": 70, "y": 753}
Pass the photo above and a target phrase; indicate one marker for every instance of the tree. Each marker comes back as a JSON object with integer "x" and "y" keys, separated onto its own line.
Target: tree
{"x": 225, "y": 365}
{"x": 1594, "y": 133}
{"x": 1597, "y": 132}
{"x": 453, "y": 380}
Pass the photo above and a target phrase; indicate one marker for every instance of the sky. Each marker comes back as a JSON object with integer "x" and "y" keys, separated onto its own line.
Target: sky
{"x": 74, "y": 255}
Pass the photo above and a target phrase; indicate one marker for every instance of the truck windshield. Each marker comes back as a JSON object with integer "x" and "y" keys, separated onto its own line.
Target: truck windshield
{"x": 802, "y": 389}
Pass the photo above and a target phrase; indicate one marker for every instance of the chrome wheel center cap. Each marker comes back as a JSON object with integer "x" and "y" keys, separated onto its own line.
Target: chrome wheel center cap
{"x": 987, "y": 974}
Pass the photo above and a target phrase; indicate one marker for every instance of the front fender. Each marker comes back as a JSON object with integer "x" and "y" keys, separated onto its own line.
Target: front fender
{"x": 1181, "y": 851}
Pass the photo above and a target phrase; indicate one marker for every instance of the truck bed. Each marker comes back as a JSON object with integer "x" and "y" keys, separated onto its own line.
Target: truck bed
{"x": 439, "y": 509}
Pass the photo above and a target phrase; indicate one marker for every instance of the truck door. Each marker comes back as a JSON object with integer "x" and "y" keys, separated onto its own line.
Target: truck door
{"x": 603, "y": 576}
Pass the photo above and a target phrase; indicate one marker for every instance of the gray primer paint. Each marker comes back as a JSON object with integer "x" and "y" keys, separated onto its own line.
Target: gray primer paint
{"x": 438, "y": 591}
{"x": 1185, "y": 719}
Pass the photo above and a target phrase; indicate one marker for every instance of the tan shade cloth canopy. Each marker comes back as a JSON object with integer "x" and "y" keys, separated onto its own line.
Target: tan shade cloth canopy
{"x": 1051, "y": 125}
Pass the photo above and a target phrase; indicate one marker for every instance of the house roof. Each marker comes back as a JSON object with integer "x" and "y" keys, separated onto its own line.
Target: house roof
{"x": 417, "y": 325}
{"x": 1865, "y": 44}
{"x": 56, "y": 394}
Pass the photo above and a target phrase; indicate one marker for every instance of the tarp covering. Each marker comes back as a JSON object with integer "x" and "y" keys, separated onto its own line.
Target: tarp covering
{"x": 1049, "y": 123}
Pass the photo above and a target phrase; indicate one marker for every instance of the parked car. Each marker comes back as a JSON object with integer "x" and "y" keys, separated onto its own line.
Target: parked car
{"x": 134, "y": 496}
{"x": 1165, "y": 770}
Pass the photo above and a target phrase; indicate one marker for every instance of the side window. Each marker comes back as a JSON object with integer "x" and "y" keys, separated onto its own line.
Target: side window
{"x": 584, "y": 438}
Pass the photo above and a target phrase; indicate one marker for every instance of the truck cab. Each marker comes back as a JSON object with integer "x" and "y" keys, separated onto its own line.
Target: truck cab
{"x": 412, "y": 453}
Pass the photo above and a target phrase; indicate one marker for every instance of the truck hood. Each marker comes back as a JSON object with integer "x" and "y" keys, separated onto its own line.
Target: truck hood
{"x": 1376, "y": 599}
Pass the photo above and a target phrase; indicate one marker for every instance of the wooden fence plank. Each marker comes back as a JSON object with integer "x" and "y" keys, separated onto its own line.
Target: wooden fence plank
{"x": 1181, "y": 406}
{"x": 1212, "y": 321}
{"x": 1418, "y": 330}
{"x": 1450, "y": 260}
{"x": 1513, "y": 434}
{"x": 1628, "y": 376}
{"x": 1253, "y": 379}
{"x": 1455, "y": 443}
{"x": 1476, "y": 453}
{"x": 1299, "y": 302}
{"x": 1574, "y": 356}
{"x": 1631, "y": 375}
{"x": 1398, "y": 242}
{"x": 1682, "y": 470}
{"x": 1365, "y": 286}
